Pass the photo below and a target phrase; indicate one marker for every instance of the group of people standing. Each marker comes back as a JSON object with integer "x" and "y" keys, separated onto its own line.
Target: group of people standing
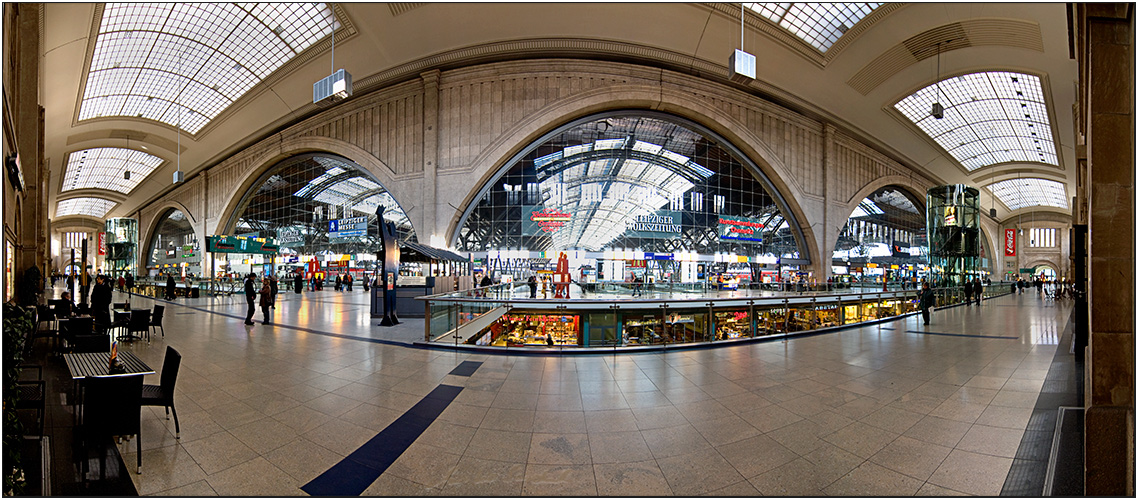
{"x": 268, "y": 299}
{"x": 973, "y": 288}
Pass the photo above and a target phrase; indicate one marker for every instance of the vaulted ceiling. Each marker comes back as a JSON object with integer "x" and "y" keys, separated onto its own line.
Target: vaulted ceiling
{"x": 129, "y": 86}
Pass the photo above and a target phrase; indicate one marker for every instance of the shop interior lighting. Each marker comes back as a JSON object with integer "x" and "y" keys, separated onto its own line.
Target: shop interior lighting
{"x": 818, "y": 24}
{"x": 1030, "y": 192}
{"x": 102, "y": 168}
{"x": 94, "y": 207}
{"x": 229, "y": 48}
{"x": 989, "y": 118}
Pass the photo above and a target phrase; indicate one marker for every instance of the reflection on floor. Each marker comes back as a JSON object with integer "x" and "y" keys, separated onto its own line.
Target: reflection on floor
{"x": 880, "y": 411}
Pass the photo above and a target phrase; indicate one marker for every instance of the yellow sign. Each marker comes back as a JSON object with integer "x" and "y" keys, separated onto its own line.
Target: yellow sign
{"x": 871, "y": 265}
{"x": 894, "y": 266}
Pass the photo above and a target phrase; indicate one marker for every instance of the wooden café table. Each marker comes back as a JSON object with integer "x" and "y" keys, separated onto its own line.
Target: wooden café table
{"x": 95, "y": 364}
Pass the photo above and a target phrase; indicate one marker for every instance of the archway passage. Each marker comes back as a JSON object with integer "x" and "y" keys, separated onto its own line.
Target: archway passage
{"x": 884, "y": 240}
{"x": 656, "y": 188}
{"x": 321, "y": 211}
{"x": 173, "y": 247}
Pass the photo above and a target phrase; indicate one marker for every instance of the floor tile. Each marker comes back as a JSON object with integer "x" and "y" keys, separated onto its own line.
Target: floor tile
{"x": 424, "y": 464}
{"x": 481, "y": 477}
{"x": 972, "y": 473}
{"x": 219, "y": 452}
{"x": 698, "y": 473}
{"x": 256, "y": 477}
{"x": 870, "y": 479}
{"x": 196, "y": 489}
{"x": 861, "y": 439}
{"x": 725, "y": 430}
{"x": 502, "y": 446}
{"x": 1006, "y": 417}
{"x": 559, "y": 449}
{"x": 559, "y": 480}
{"x": 303, "y": 459}
{"x": 614, "y": 447}
{"x": 911, "y": 457}
{"x": 998, "y": 441}
{"x": 164, "y": 469}
{"x": 610, "y": 420}
{"x": 264, "y": 435}
{"x": 636, "y": 479}
{"x": 671, "y": 441}
{"x": 756, "y": 455}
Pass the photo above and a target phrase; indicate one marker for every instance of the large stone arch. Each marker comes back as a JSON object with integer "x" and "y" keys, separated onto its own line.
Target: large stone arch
{"x": 147, "y": 228}
{"x": 1037, "y": 261}
{"x": 633, "y": 97}
{"x": 839, "y": 217}
{"x": 302, "y": 145}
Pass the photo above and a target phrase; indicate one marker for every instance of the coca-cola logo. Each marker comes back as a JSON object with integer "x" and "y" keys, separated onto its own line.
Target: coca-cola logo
{"x": 1010, "y": 242}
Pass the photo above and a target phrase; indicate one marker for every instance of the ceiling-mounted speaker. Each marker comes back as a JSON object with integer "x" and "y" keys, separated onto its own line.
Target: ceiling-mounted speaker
{"x": 126, "y": 175}
{"x": 741, "y": 67}
{"x": 938, "y": 111}
{"x": 179, "y": 176}
{"x": 992, "y": 213}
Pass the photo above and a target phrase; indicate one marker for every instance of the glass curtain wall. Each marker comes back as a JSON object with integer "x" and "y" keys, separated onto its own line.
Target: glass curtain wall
{"x": 174, "y": 247}
{"x": 886, "y": 229}
{"x": 320, "y": 209}
{"x": 655, "y": 188}
{"x": 122, "y": 245}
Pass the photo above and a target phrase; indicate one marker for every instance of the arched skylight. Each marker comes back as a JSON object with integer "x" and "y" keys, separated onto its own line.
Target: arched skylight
{"x": 989, "y": 118}
{"x": 203, "y": 56}
{"x": 819, "y": 24}
{"x": 1020, "y": 193}
{"x": 102, "y": 168}
{"x": 94, "y": 207}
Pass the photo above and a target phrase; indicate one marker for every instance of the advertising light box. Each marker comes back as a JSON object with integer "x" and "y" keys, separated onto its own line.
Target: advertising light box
{"x": 740, "y": 228}
{"x": 352, "y": 228}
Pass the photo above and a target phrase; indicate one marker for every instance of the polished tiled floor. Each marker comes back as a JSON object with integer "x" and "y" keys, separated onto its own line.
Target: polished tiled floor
{"x": 881, "y": 410}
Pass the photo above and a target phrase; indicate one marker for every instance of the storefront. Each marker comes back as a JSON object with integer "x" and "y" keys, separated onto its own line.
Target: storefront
{"x": 532, "y": 329}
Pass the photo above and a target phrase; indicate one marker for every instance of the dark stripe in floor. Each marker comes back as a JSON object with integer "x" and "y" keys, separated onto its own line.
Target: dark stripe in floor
{"x": 962, "y": 335}
{"x": 466, "y": 368}
{"x": 356, "y": 472}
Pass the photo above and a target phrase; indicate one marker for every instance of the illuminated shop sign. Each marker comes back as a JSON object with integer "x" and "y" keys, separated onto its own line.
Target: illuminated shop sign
{"x": 662, "y": 224}
{"x": 102, "y": 243}
{"x": 740, "y": 228}
{"x": 340, "y": 230}
{"x": 1010, "y": 242}
{"x": 545, "y": 220}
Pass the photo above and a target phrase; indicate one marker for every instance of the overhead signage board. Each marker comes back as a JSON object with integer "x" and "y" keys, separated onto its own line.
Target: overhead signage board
{"x": 290, "y": 236}
{"x": 1009, "y": 242}
{"x": 351, "y": 228}
{"x": 662, "y": 224}
{"x": 740, "y": 228}
{"x": 240, "y": 244}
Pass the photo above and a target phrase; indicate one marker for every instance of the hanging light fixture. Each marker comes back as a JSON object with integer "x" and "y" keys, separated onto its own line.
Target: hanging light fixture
{"x": 178, "y": 175}
{"x": 741, "y": 65}
{"x": 938, "y": 110}
{"x": 126, "y": 168}
{"x": 337, "y": 86}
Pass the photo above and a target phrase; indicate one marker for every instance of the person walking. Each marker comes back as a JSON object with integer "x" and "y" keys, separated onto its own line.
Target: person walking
{"x": 928, "y": 300}
{"x": 250, "y": 297}
{"x": 339, "y": 282}
{"x": 272, "y": 291}
{"x": 298, "y": 283}
{"x": 170, "y": 286}
{"x": 968, "y": 292}
{"x": 977, "y": 289}
{"x": 129, "y": 283}
{"x": 348, "y": 280}
{"x": 532, "y": 282}
{"x": 122, "y": 283}
{"x": 266, "y": 299}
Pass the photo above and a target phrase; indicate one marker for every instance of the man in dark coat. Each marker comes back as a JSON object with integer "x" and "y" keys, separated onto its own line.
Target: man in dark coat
{"x": 298, "y": 283}
{"x": 129, "y": 283}
{"x": 272, "y": 291}
{"x": 101, "y": 301}
{"x": 968, "y": 292}
{"x": 532, "y": 282}
{"x": 928, "y": 300}
{"x": 977, "y": 289}
{"x": 170, "y": 287}
{"x": 339, "y": 282}
{"x": 250, "y": 298}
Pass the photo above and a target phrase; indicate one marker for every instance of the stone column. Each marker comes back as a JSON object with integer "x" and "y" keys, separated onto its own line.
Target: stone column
{"x": 29, "y": 128}
{"x": 430, "y": 159}
{"x": 1106, "y": 58}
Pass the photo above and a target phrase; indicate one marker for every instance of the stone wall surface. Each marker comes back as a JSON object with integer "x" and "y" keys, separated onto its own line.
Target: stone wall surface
{"x": 481, "y": 116}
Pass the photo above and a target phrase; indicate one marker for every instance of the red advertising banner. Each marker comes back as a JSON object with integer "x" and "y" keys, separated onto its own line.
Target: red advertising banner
{"x": 102, "y": 243}
{"x": 1010, "y": 242}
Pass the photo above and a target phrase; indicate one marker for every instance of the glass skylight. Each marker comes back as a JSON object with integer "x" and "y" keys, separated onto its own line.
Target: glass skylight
{"x": 102, "y": 168}
{"x": 989, "y": 118}
{"x": 1020, "y": 193}
{"x": 203, "y": 56}
{"x": 819, "y": 24}
{"x": 94, "y": 207}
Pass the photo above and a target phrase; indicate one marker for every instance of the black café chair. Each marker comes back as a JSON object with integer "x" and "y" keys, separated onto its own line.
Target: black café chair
{"x": 121, "y": 306}
{"x": 30, "y": 394}
{"x": 156, "y": 319}
{"x": 163, "y": 395}
{"x": 75, "y": 327}
{"x": 96, "y": 342}
{"x": 112, "y": 406}
{"x": 140, "y": 322}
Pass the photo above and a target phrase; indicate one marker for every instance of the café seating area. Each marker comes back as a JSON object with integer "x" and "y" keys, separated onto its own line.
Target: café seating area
{"x": 81, "y": 393}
